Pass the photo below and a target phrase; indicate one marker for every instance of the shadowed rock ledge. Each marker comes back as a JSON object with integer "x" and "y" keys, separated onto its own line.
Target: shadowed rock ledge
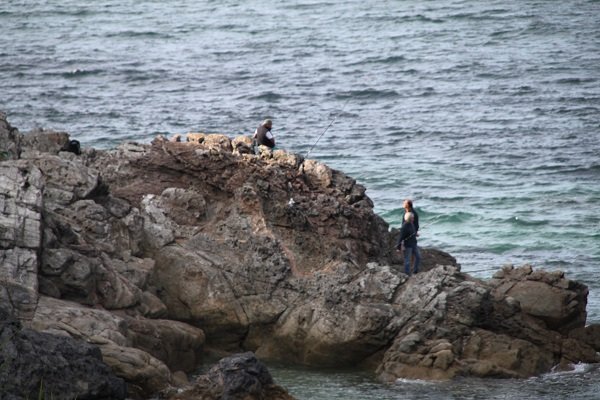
{"x": 159, "y": 252}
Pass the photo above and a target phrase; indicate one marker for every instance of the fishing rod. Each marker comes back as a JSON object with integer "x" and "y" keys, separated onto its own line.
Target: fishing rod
{"x": 291, "y": 202}
{"x": 481, "y": 270}
{"x": 417, "y": 232}
{"x": 326, "y": 129}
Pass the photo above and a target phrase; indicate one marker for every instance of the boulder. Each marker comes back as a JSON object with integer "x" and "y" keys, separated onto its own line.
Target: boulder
{"x": 242, "y": 145}
{"x": 38, "y": 364}
{"x": 142, "y": 351}
{"x": 41, "y": 141}
{"x": 175, "y": 343}
{"x": 296, "y": 267}
{"x": 489, "y": 333}
{"x": 559, "y": 302}
{"x": 317, "y": 174}
{"x": 240, "y": 376}
{"x": 145, "y": 375}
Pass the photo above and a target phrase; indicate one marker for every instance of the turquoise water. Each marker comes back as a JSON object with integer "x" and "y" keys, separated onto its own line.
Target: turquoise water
{"x": 487, "y": 114}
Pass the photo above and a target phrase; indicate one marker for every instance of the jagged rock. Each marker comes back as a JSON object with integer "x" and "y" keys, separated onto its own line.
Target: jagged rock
{"x": 142, "y": 351}
{"x": 195, "y": 137}
{"x": 264, "y": 152}
{"x": 41, "y": 141}
{"x": 318, "y": 174}
{"x": 238, "y": 377}
{"x": 220, "y": 142}
{"x": 589, "y": 335}
{"x": 559, "y": 302}
{"x": 10, "y": 140}
{"x": 490, "y": 336}
{"x": 59, "y": 367}
{"x": 20, "y": 205}
{"x": 242, "y": 145}
{"x": 21, "y": 186}
{"x": 289, "y": 159}
{"x": 65, "y": 181}
{"x": 342, "y": 321}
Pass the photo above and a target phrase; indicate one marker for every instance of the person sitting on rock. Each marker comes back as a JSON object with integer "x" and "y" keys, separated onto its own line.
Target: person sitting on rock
{"x": 407, "y": 242}
{"x": 263, "y": 135}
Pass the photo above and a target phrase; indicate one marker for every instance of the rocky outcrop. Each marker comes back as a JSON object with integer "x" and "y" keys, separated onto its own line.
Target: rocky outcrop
{"x": 559, "y": 302}
{"x": 460, "y": 326}
{"x": 153, "y": 252}
{"x": 35, "y": 364}
{"x": 69, "y": 265}
{"x": 145, "y": 352}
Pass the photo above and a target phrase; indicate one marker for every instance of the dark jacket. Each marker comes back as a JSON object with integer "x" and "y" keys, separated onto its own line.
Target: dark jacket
{"x": 415, "y": 221}
{"x": 261, "y": 137}
{"x": 408, "y": 235}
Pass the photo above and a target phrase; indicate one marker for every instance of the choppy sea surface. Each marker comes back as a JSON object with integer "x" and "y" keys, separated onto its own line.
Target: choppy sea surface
{"x": 485, "y": 113}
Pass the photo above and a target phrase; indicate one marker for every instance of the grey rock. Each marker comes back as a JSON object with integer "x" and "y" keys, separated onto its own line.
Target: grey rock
{"x": 55, "y": 366}
{"x": 237, "y": 377}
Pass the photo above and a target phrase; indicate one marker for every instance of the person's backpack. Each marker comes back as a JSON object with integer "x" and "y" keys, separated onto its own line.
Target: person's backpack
{"x": 73, "y": 146}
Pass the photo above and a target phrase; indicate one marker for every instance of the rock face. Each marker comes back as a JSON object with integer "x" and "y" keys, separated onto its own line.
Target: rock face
{"x": 70, "y": 264}
{"x": 459, "y": 326}
{"x": 152, "y": 252}
{"x": 58, "y": 367}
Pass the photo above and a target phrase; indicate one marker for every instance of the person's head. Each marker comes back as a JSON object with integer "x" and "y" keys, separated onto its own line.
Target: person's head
{"x": 408, "y": 205}
{"x": 267, "y": 123}
{"x": 409, "y": 217}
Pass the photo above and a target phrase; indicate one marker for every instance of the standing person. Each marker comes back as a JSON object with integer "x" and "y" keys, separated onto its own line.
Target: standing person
{"x": 407, "y": 242}
{"x": 408, "y": 207}
{"x": 263, "y": 135}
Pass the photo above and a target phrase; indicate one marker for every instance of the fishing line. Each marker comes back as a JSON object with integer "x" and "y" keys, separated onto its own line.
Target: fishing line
{"x": 291, "y": 201}
{"x": 326, "y": 129}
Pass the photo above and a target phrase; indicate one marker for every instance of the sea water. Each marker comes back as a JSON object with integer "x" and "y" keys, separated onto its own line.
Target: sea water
{"x": 485, "y": 113}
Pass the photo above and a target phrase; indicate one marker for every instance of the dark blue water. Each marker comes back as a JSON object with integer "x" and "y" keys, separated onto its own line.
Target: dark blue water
{"x": 486, "y": 113}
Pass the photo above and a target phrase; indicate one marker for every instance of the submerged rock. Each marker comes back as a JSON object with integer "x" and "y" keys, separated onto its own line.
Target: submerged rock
{"x": 240, "y": 376}
{"x": 153, "y": 252}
